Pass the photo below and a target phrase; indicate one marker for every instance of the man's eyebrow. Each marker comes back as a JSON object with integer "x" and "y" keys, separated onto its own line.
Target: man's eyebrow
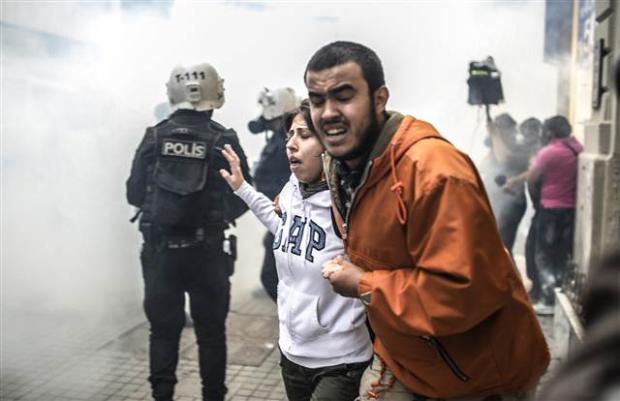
{"x": 340, "y": 89}
{"x": 332, "y": 91}
{"x": 315, "y": 94}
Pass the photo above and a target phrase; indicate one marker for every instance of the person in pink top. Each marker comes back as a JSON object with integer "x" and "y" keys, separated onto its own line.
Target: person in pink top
{"x": 555, "y": 170}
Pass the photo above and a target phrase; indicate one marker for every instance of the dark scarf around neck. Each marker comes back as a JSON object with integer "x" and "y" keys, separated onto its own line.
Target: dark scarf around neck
{"x": 307, "y": 190}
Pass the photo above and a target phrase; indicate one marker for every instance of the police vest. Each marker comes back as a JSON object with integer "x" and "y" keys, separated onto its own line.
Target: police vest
{"x": 180, "y": 194}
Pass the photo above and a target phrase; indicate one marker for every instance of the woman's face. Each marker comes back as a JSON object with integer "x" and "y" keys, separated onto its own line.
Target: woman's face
{"x": 303, "y": 150}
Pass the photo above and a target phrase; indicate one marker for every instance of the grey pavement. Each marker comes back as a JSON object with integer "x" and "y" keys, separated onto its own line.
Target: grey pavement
{"x": 103, "y": 364}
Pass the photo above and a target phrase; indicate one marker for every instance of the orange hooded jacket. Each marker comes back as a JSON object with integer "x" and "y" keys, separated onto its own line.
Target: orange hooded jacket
{"x": 449, "y": 311}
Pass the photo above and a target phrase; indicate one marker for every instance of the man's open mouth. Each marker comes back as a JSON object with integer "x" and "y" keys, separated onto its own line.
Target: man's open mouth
{"x": 334, "y": 129}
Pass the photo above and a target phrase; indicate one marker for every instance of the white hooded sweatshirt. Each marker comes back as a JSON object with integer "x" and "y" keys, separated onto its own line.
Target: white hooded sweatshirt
{"x": 318, "y": 327}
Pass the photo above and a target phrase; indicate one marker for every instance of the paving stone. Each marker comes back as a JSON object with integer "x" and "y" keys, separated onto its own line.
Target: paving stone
{"x": 260, "y": 394}
{"x": 102, "y": 368}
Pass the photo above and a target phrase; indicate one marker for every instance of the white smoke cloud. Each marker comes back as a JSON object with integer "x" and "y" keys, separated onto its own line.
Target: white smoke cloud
{"x": 73, "y": 112}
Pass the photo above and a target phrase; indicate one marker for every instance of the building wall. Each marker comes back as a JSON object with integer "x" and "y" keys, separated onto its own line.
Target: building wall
{"x": 595, "y": 111}
{"x": 598, "y": 207}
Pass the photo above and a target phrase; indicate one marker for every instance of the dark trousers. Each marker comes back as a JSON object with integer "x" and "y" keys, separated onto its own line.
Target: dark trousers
{"x": 331, "y": 383}
{"x": 268, "y": 273}
{"x": 530, "y": 258}
{"x": 554, "y": 248}
{"x": 508, "y": 220}
{"x": 202, "y": 271}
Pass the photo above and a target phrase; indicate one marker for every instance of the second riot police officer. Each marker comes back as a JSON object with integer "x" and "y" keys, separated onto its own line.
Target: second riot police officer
{"x": 185, "y": 207}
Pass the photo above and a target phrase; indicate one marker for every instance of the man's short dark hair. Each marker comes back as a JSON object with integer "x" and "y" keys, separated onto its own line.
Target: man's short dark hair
{"x": 531, "y": 126}
{"x": 558, "y": 127}
{"x": 505, "y": 122}
{"x": 342, "y": 52}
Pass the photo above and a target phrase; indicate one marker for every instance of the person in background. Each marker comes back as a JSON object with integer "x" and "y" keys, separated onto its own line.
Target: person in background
{"x": 555, "y": 167}
{"x": 531, "y": 132}
{"x": 554, "y": 171}
{"x": 506, "y": 158}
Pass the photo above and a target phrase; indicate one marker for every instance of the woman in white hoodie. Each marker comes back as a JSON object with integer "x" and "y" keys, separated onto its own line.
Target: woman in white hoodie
{"x": 324, "y": 341}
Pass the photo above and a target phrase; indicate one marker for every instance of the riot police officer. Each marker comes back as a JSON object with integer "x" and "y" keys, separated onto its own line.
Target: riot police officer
{"x": 185, "y": 207}
{"x": 272, "y": 170}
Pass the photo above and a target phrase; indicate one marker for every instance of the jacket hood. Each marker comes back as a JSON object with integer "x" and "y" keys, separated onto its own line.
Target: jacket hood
{"x": 399, "y": 133}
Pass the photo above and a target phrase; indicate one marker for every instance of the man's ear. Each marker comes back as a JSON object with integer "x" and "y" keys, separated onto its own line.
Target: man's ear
{"x": 382, "y": 94}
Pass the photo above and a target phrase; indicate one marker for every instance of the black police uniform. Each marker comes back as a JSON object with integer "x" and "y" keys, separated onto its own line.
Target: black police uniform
{"x": 186, "y": 206}
{"x": 270, "y": 175}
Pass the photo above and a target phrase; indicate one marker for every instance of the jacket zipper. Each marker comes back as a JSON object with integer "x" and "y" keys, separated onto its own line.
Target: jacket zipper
{"x": 345, "y": 225}
{"x": 433, "y": 342}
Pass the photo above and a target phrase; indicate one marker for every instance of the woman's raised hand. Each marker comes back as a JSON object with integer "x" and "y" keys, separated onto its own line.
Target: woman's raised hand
{"x": 235, "y": 177}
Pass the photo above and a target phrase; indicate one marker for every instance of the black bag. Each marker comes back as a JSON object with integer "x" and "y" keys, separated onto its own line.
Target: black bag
{"x": 183, "y": 156}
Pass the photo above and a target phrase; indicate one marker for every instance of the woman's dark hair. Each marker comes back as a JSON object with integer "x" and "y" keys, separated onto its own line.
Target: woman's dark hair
{"x": 303, "y": 109}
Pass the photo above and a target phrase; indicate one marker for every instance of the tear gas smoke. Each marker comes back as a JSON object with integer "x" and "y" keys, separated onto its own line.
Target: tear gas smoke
{"x": 80, "y": 82}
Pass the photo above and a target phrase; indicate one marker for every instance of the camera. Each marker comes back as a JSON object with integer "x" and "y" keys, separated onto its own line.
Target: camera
{"x": 485, "y": 85}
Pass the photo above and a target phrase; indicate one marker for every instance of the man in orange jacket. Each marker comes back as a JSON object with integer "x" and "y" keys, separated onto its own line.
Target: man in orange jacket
{"x": 451, "y": 317}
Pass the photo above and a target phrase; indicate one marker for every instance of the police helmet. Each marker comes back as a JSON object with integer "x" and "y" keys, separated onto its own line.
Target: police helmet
{"x": 277, "y": 102}
{"x": 197, "y": 88}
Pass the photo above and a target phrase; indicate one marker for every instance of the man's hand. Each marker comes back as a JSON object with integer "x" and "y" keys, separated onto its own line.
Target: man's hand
{"x": 235, "y": 177}
{"x": 511, "y": 184}
{"x": 343, "y": 275}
